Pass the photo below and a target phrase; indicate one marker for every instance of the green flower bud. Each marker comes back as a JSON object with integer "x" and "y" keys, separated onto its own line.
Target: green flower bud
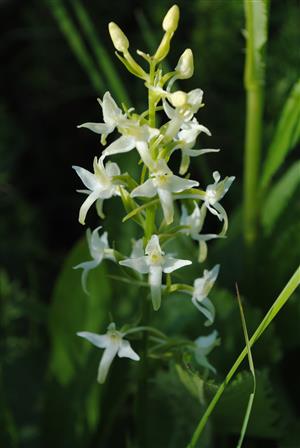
{"x": 118, "y": 38}
{"x": 185, "y": 66}
{"x": 178, "y": 99}
{"x": 171, "y": 19}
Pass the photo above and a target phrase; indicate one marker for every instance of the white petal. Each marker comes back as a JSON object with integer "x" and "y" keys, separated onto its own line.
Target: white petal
{"x": 171, "y": 264}
{"x": 99, "y": 340}
{"x": 198, "y": 152}
{"x": 166, "y": 200}
{"x": 112, "y": 169}
{"x": 121, "y": 145}
{"x": 207, "y": 308}
{"x": 224, "y": 218}
{"x": 144, "y": 153}
{"x": 179, "y": 184}
{"x": 155, "y": 278}
{"x": 111, "y": 112}
{"x": 153, "y": 245}
{"x": 195, "y": 99}
{"x": 125, "y": 351}
{"x": 202, "y": 254}
{"x": 99, "y": 208}
{"x": 216, "y": 176}
{"x": 169, "y": 111}
{"x": 88, "y": 178}
{"x": 137, "y": 249}
{"x": 106, "y": 360}
{"x": 98, "y": 128}
{"x": 87, "y": 266}
{"x": 185, "y": 163}
{"x": 138, "y": 264}
{"x": 94, "y": 240}
{"x": 205, "y": 344}
{"x": 147, "y": 189}
{"x": 86, "y": 206}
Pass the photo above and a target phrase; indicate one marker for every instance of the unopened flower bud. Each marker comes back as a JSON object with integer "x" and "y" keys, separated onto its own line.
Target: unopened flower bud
{"x": 171, "y": 19}
{"x": 118, "y": 38}
{"x": 178, "y": 99}
{"x": 185, "y": 66}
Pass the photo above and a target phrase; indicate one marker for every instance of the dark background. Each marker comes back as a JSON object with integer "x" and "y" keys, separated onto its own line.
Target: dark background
{"x": 44, "y": 94}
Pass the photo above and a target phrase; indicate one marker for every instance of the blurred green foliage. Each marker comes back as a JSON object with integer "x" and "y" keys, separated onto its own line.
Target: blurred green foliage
{"x": 49, "y": 83}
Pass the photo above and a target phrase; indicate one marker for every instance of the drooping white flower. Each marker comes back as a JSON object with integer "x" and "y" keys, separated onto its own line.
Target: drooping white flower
{"x": 133, "y": 136}
{"x": 154, "y": 263}
{"x": 99, "y": 250}
{"x": 214, "y": 193}
{"x": 186, "y": 140}
{"x": 185, "y": 106}
{"x": 202, "y": 287}
{"x": 163, "y": 183}
{"x": 113, "y": 344}
{"x": 195, "y": 222}
{"x": 204, "y": 345}
{"x": 112, "y": 116}
{"x": 100, "y": 185}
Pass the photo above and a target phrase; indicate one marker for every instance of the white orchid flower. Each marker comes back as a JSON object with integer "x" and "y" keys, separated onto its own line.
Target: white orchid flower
{"x": 163, "y": 183}
{"x": 100, "y": 185}
{"x": 202, "y": 287}
{"x": 204, "y": 345}
{"x": 186, "y": 105}
{"x": 133, "y": 136}
{"x": 154, "y": 263}
{"x": 195, "y": 222}
{"x": 186, "y": 140}
{"x": 99, "y": 250}
{"x": 112, "y": 116}
{"x": 113, "y": 344}
{"x": 214, "y": 193}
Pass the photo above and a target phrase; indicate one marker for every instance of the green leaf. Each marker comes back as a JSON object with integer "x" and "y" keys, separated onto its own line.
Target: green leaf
{"x": 279, "y": 196}
{"x": 264, "y": 419}
{"x": 286, "y": 136}
{"x": 192, "y": 381}
{"x": 71, "y": 310}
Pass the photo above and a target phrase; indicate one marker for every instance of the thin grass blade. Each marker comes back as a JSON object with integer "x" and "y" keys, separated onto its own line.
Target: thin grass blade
{"x": 252, "y": 370}
{"x": 103, "y": 59}
{"x": 76, "y": 43}
{"x": 281, "y": 300}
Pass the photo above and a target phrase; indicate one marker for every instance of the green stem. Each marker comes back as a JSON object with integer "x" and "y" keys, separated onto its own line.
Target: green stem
{"x": 252, "y": 162}
{"x": 281, "y": 300}
{"x": 256, "y": 37}
{"x": 151, "y": 97}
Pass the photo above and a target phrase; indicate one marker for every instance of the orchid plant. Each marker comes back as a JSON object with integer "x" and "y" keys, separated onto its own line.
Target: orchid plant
{"x": 152, "y": 200}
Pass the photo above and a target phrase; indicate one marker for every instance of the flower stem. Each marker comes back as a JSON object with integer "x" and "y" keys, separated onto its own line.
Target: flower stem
{"x": 151, "y": 96}
{"x": 256, "y": 38}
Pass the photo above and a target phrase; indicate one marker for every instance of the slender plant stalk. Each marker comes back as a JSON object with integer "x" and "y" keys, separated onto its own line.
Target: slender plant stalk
{"x": 252, "y": 370}
{"x": 102, "y": 57}
{"x": 281, "y": 300}
{"x": 76, "y": 43}
{"x": 256, "y": 35}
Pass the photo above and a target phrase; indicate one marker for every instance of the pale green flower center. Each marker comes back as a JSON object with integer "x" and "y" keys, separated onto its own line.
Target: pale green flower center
{"x": 161, "y": 180}
{"x": 155, "y": 258}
